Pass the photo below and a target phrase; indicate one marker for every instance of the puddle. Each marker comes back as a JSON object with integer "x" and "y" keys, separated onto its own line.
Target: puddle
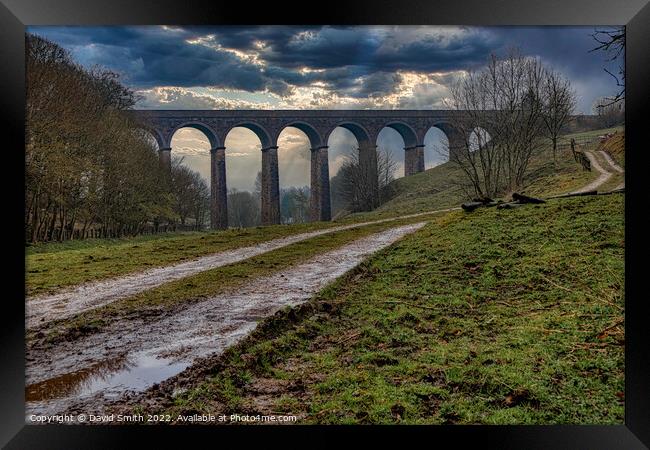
{"x": 72, "y": 383}
{"x": 136, "y": 353}
{"x": 112, "y": 378}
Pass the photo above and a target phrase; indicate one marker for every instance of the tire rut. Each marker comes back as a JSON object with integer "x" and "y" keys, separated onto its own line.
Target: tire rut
{"x": 134, "y": 354}
{"x": 41, "y": 310}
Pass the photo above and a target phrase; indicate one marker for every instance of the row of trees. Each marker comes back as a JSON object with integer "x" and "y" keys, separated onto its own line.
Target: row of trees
{"x": 522, "y": 105}
{"x": 90, "y": 170}
{"x": 244, "y": 207}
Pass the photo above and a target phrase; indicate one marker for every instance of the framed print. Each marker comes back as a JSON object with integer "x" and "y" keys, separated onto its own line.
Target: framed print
{"x": 423, "y": 218}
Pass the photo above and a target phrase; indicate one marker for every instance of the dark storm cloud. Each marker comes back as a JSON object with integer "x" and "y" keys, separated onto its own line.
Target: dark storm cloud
{"x": 379, "y": 83}
{"x": 351, "y": 61}
{"x": 164, "y": 57}
{"x": 336, "y": 47}
{"x": 566, "y": 48}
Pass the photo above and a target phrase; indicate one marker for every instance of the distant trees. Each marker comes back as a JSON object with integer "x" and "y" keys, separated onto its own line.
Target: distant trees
{"x": 294, "y": 204}
{"x": 90, "y": 170}
{"x": 354, "y": 183}
{"x": 519, "y": 102}
{"x": 609, "y": 113}
{"x": 243, "y": 208}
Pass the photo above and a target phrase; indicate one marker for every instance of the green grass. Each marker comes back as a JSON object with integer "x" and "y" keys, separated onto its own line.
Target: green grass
{"x": 435, "y": 188}
{"x": 492, "y": 317}
{"x": 50, "y": 267}
{"x": 202, "y": 285}
{"x": 594, "y": 133}
{"x": 547, "y": 178}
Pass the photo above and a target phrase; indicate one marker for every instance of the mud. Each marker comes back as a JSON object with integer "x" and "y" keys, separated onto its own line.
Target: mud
{"x": 134, "y": 354}
{"x": 43, "y": 309}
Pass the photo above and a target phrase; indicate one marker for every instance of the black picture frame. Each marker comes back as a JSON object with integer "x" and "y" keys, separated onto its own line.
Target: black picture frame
{"x": 635, "y": 14}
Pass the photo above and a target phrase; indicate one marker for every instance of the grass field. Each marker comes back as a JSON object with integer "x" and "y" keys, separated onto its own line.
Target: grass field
{"x": 492, "y": 317}
{"x": 593, "y": 133}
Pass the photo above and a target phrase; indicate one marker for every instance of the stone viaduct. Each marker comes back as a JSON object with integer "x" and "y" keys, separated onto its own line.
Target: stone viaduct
{"x": 412, "y": 125}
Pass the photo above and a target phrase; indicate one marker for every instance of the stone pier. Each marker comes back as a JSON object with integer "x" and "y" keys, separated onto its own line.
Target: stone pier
{"x": 413, "y": 160}
{"x": 218, "y": 189}
{"x": 270, "y": 186}
{"x": 319, "y": 202}
{"x": 165, "y": 157}
{"x": 457, "y": 145}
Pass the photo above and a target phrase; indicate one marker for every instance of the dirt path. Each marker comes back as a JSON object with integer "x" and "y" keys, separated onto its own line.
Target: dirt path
{"x": 614, "y": 166}
{"x": 135, "y": 354}
{"x": 40, "y": 310}
{"x": 611, "y": 162}
{"x": 602, "y": 178}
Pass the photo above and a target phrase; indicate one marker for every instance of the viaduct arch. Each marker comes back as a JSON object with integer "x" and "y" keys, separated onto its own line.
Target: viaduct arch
{"x": 412, "y": 125}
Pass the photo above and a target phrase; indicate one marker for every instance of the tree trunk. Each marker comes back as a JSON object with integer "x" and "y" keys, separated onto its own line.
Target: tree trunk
{"x": 35, "y": 221}
{"x": 50, "y": 231}
{"x": 62, "y": 223}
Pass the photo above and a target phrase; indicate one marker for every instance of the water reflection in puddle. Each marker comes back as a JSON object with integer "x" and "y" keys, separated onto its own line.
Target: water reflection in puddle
{"x": 112, "y": 378}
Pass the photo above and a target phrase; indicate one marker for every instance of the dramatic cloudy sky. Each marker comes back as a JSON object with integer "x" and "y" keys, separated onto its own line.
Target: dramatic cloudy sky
{"x": 326, "y": 67}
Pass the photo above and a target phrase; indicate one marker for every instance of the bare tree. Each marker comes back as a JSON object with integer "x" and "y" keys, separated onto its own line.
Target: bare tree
{"x": 506, "y": 99}
{"x": 358, "y": 185}
{"x": 294, "y": 204}
{"x": 609, "y": 113}
{"x": 560, "y": 102}
{"x": 612, "y": 42}
{"x": 191, "y": 193}
{"x": 386, "y": 168}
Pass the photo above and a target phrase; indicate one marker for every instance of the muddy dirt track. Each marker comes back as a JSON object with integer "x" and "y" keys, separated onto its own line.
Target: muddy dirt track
{"x": 604, "y": 173}
{"x": 134, "y": 354}
{"x": 43, "y": 309}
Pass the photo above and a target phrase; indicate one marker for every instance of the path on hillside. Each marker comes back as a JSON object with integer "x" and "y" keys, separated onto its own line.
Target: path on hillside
{"x": 604, "y": 173}
{"x": 614, "y": 166}
{"x": 134, "y": 354}
{"x": 43, "y": 309}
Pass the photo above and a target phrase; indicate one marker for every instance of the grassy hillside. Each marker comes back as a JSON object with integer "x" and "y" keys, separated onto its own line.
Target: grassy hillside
{"x": 615, "y": 146}
{"x": 492, "y": 317}
{"x": 439, "y": 188}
